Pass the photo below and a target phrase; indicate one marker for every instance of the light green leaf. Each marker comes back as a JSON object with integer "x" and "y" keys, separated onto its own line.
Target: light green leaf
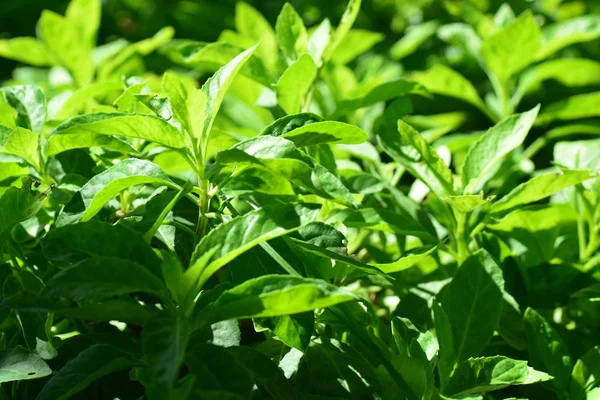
{"x": 466, "y": 203}
{"x": 250, "y": 23}
{"x": 141, "y": 126}
{"x": 216, "y": 87}
{"x": 565, "y": 33}
{"x": 27, "y": 50}
{"x": 294, "y": 84}
{"x": 63, "y": 38}
{"x": 187, "y": 102}
{"x": 485, "y": 154}
{"x": 462, "y": 35}
{"x": 18, "y": 364}
{"x": 291, "y": 33}
{"x": 512, "y": 48}
{"x": 234, "y": 237}
{"x": 30, "y": 103}
{"x": 355, "y": 43}
{"x": 412, "y": 39}
{"x": 78, "y": 101}
{"x": 94, "y": 362}
{"x": 574, "y": 107}
{"x": 445, "y": 81}
{"x": 116, "y": 66}
{"x": 428, "y": 155}
{"x": 343, "y": 28}
{"x": 212, "y": 56}
{"x": 408, "y": 259}
{"x": 546, "y": 350}
{"x": 106, "y": 185}
{"x": 586, "y": 375}
{"x": 485, "y": 374}
{"x": 86, "y": 14}
{"x": 473, "y": 303}
{"x": 560, "y": 70}
{"x": 23, "y": 143}
{"x": 326, "y": 132}
{"x": 384, "y": 92}
{"x": 540, "y": 187}
{"x": 103, "y": 277}
{"x": 11, "y": 169}
{"x": 319, "y": 40}
{"x": 60, "y": 143}
{"x": 276, "y": 295}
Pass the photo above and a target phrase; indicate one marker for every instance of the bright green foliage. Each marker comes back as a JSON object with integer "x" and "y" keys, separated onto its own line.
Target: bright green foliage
{"x": 393, "y": 201}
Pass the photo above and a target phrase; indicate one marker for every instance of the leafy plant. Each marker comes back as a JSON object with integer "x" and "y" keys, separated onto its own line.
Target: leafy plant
{"x": 283, "y": 230}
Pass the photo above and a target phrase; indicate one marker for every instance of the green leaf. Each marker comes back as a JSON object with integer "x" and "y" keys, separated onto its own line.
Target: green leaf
{"x": 560, "y": 70}
{"x": 212, "y": 56}
{"x": 326, "y": 132}
{"x": 276, "y": 295}
{"x": 473, "y": 303}
{"x": 586, "y": 374}
{"x": 383, "y": 92}
{"x": 27, "y": 50}
{"x": 463, "y": 36}
{"x": 86, "y": 14}
{"x": 407, "y": 260}
{"x": 290, "y": 122}
{"x": 62, "y": 36}
{"x": 489, "y": 151}
{"x": 18, "y": 364}
{"x": 485, "y": 374}
{"x": 466, "y": 203}
{"x": 443, "y": 332}
{"x": 74, "y": 243}
{"x": 355, "y": 43}
{"x": 81, "y": 97}
{"x": 106, "y": 185}
{"x": 293, "y": 330}
{"x": 445, "y": 81}
{"x": 291, "y": 33}
{"x": 115, "y": 67}
{"x": 103, "y": 277}
{"x": 187, "y": 102}
{"x": 140, "y": 126}
{"x": 540, "y": 187}
{"x": 164, "y": 341}
{"x": 18, "y": 204}
{"x": 574, "y": 107}
{"x": 221, "y": 246}
{"x": 60, "y": 143}
{"x": 23, "y": 143}
{"x": 546, "y": 350}
{"x": 385, "y": 221}
{"x": 332, "y": 369}
{"x": 343, "y": 28}
{"x": 428, "y": 155}
{"x": 295, "y": 83}
{"x": 512, "y": 48}
{"x": 251, "y": 24}
{"x": 12, "y": 169}
{"x": 30, "y": 103}
{"x": 91, "y": 364}
{"x": 216, "y": 87}
{"x": 565, "y": 33}
{"x": 412, "y": 39}
{"x": 319, "y": 40}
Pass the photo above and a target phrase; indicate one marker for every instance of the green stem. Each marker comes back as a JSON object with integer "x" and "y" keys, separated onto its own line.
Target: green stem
{"x": 461, "y": 243}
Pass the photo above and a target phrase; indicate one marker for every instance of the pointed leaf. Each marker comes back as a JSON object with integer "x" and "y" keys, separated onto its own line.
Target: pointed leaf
{"x": 19, "y": 364}
{"x": 294, "y": 84}
{"x": 291, "y": 33}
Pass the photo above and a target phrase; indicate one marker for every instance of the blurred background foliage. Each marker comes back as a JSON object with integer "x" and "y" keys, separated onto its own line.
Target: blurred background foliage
{"x": 205, "y": 19}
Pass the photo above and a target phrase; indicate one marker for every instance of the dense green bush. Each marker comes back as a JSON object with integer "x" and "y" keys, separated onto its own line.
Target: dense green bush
{"x": 332, "y": 212}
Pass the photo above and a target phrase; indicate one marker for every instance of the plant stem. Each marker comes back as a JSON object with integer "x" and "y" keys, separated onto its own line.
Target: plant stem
{"x": 461, "y": 243}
